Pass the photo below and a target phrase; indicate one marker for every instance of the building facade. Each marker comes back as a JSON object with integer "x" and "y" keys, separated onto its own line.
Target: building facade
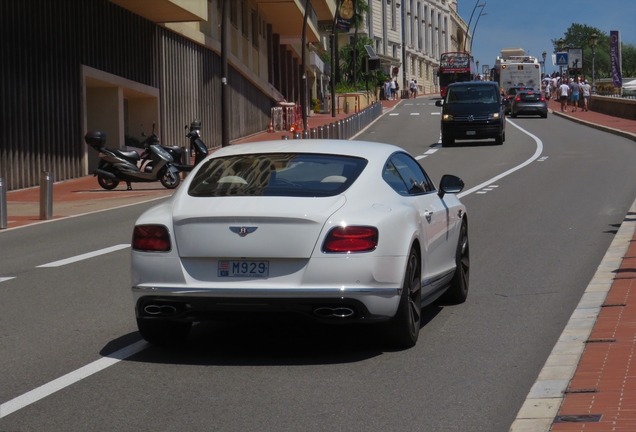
{"x": 410, "y": 36}
{"x": 120, "y": 66}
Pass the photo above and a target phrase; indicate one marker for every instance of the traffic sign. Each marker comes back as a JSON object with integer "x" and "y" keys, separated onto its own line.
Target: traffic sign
{"x": 562, "y": 59}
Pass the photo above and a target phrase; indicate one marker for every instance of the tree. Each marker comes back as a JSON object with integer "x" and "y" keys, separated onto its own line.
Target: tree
{"x": 351, "y": 61}
{"x": 362, "y": 8}
{"x": 578, "y": 36}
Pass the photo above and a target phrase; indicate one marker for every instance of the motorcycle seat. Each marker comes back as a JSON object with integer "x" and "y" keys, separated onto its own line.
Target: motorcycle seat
{"x": 127, "y": 154}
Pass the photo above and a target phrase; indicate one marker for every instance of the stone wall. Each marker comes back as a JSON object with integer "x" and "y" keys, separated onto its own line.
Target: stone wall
{"x": 617, "y": 107}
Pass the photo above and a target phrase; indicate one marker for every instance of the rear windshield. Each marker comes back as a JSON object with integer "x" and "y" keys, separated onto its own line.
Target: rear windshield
{"x": 276, "y": 174}
{"x": 472, "y": 94}
{"x": 530, "y": 96}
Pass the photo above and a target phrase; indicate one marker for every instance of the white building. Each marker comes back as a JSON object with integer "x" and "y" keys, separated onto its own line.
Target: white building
{"x": 431, "y": 27}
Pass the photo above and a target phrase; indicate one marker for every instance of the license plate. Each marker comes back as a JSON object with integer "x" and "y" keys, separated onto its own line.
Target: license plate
{"x": 243, "y": 268}
{"x": 470, "y": 132}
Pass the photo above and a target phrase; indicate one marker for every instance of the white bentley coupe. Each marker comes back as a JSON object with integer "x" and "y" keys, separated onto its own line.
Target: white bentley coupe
{"x": 330, "y": 230}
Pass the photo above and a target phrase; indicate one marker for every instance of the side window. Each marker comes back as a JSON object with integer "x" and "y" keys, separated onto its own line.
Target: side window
{"x": 412, "y": 178}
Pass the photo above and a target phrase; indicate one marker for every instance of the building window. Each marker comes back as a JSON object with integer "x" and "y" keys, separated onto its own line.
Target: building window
{"x": 245, "y": 18}
{"x": 255, "y": 26}
{"x": 393, "y": 16}
{"x": 233, "y": 13}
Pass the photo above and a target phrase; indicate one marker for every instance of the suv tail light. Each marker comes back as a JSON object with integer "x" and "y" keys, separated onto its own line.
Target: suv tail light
{"x": 151, "y": 238}
{"x": 518, "y": 98}
{"x": 351, "y": 239}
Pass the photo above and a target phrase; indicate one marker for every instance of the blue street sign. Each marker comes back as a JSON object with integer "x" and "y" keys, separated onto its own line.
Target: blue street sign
{"x": 562, "y": 59}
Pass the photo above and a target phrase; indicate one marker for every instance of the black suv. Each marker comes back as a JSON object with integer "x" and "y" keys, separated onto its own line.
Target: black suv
{"x": 473, "y": 110}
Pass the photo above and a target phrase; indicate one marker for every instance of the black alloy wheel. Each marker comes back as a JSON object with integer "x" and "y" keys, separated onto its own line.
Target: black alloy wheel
{"x": 458, "y": 290}
{"x": 405, "y": 326}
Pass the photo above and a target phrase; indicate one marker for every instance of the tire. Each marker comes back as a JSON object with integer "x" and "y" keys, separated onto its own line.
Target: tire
{"x": 544, "y": 115}
{"x": 447, "y": 142}
{"x": 163, "y": 332}
{"x": 513, "y": 115}
{"x": 499, "y": 140}
{"x": 405, "y": 326}
{"x": 458, "y": 289}
{"x": 170, "y": 180}
{"x": 107, "y": 184}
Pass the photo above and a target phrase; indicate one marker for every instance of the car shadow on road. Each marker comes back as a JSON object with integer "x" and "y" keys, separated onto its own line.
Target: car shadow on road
{"x": 270, "y": 343}
{"x": 474, "y": 143}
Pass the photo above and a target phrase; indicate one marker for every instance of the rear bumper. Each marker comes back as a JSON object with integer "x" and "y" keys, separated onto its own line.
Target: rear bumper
{"x": 472, "y": 130}
{"x": 200, "y": 304}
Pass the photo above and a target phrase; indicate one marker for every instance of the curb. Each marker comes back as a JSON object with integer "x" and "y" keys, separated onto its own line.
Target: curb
{"x": 548, "y": 392}
{"x": 611, "y": 130}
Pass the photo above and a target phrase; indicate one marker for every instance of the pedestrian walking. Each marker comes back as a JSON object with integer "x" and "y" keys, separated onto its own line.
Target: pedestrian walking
{"x": 586, "y": 91}
{"x": 564, "y": 91}
{"x": 575, "y": 89}
{"x": 554, "y": 85}
{"x": 412, "y": 86}
{"x": 393, "y": 91}
{"x": 387, "y": 89}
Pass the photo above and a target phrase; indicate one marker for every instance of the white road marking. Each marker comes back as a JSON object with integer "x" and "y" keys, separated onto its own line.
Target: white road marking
{"x": 394, "y": 114}
{"x": 420, "y": 157}
{"x": 4, "y": 279}
{"x": 415, "y": 113}
{"x": 542, "y": 159}
{"x": 408, "y": 104}
{"x": 431, "y": 151}
{"x": 70, "y": 378}
{"x": 85, "y": 256}
{"x": 534, "y": 157}
{"x": 436, "y": 113}
{"x": 481, "y": 192}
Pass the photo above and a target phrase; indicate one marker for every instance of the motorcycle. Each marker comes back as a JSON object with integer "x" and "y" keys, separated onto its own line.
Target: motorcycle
{"x": 117, "y": 165}
{"x": 197, "y": 145}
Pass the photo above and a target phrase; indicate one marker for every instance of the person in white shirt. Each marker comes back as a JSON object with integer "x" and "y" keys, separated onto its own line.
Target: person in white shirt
{"x": 586, "y": 89}
{"x": 564, "y": 92}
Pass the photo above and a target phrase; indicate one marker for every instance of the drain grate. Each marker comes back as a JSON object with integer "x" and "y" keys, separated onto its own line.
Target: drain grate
{"x": 613, "y": 304}
{"x": 578, "y": 418}
{"x": 583, "y": 390}
{"x": 600, "y": 340}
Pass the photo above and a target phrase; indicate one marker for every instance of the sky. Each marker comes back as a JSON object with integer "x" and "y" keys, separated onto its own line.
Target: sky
{"x": 532, "y": 24}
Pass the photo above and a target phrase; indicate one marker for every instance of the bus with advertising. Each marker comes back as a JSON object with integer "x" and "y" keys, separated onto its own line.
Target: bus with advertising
{"x": 455, "y": 67}
{"x": 515, "y": 68}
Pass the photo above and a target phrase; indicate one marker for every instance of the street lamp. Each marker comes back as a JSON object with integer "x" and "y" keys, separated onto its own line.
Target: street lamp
{"x": 592, "y": 42}
{"x": 472, "y": 39}
{"x": 477, "y": 63}
{"x": 471, "y": 19}
{"x": 544, "y": 55}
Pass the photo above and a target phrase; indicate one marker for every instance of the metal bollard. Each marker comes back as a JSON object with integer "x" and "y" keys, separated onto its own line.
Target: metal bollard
{"x": 296, "y": 135}
{"x": 3, "y": 204}
{"x": 186, "y": 155}
{"x": 335, "y": 127}
{"x": 314, "y": 133}
{"x": 305, "y": 134}
{"x": 46, "y": 195}
{"x": 285, "y": 137}
{"x": 341, "y": 129}
{"x": 321, "y": 132}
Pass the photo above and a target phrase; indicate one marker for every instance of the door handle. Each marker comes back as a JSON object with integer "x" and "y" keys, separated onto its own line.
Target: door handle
{"x": 428, "y": 215}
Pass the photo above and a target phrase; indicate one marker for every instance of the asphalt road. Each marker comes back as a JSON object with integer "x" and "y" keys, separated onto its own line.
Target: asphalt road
{"x": 537, "y": 236}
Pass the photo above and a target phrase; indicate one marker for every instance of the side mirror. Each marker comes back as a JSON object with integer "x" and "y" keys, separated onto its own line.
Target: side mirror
{"x": 439, "y": 103}
{"x": 450, "y": 184}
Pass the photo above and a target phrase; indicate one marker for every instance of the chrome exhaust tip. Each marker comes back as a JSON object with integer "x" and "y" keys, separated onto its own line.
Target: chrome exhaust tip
{"x": 334, "y": 312}
{"x": 160, "y": 310}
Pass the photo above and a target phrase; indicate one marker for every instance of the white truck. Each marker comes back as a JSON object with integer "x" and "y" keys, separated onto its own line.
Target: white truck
{"x": 515, "y": 68}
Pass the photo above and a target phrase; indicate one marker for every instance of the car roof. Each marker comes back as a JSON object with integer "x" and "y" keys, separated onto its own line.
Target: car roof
{"x": 474, "y": 83}
{"x": 364, "y": 149}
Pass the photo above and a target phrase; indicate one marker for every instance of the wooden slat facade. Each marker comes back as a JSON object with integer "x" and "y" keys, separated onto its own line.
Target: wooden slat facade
{"x": 43, "y": 45}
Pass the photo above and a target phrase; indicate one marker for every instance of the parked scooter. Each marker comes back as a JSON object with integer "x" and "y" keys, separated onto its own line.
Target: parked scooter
{"x": 119, "y": 165}
{"x": 197, "y": 146}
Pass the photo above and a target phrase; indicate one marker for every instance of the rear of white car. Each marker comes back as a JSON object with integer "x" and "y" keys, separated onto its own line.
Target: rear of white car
{"x": 312, "y": 234}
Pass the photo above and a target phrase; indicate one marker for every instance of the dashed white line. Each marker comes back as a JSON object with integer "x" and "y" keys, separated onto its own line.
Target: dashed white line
{"x": 4, "y": 279}
{"x": 70, "y": 378}
{"x": 542, "y": 159}
{"x": 415, "y": 113}
{"x": 436, "y": 113}
{"x": 431, "y": 151}
{"x": 85, "y": 256}
{"x": 394, "y": 114}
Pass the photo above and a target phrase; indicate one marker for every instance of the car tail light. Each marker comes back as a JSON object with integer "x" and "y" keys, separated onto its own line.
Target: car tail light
{"x": 518, "y": 98}
{"x": 542, "y": 98}
{"x": 351, "y": 239}
{"x": 151, "y": 238}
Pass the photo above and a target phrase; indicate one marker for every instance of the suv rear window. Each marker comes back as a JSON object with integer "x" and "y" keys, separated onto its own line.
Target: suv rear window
{"x": 276, "y": 174}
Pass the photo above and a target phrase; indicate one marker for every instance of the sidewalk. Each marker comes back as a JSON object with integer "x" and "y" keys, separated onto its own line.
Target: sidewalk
{"x": 83, "y": 195}
{"x": 589, "y": 380}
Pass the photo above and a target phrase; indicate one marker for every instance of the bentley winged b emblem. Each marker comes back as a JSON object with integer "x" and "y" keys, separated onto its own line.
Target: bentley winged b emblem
{"x": 243, "y": 231}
